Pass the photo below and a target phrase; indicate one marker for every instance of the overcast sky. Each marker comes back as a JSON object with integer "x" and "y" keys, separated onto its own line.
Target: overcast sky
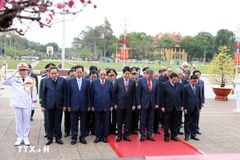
{"x": 151, "y": 16}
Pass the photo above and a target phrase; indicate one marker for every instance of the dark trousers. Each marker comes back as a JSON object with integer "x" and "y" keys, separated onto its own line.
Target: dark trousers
{"x": 190, "y": 123}
{"x": 91, "y": 122}
{"x": 113, "y": 120}
{"x": 156, "y": 119}
{"x": 161, "y": 118}
{"x": 102, "y": 120}
{"x": 171, "y": 121}
{"x": 146, "y": 120}
{"x": 198, "y": 117}
{"x": 54, "y": 117}
{"x": 67, "y": 121}
{"x": 126, "y": 115}
{"x": 75, "y": 125}
{"x": 135, "y": 119}
{"x": 180, "y": 121}
{"x": 32, "y": 113}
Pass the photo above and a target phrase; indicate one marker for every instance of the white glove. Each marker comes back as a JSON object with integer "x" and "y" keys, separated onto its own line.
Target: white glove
{"x": 34, "y": 105}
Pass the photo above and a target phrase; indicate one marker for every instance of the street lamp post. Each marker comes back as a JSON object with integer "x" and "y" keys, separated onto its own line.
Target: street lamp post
{"x": 237, "y": 34}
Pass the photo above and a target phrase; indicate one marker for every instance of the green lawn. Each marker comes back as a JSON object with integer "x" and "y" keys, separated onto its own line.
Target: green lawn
{"x": 117, "y": 66}
{"x": 12, "y": 64}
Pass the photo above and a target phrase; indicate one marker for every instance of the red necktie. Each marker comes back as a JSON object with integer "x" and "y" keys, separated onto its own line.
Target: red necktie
{"x": 149, "y": 86}
{"x": 126, "y": 85}
{"x": 179, "y": 80}
{"x": 102, "y": 82}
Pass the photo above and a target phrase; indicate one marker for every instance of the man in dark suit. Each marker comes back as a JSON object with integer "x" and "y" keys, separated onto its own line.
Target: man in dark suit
{"x": 31, "y": 74}
{"x": 135, "y": 119}
{"x": 54, "y": 102}
{"x": 165, "y": 77}
{"x": 147, "y": 102}
{"x": 201, "y": 85}
{"x": 192, "y": 103}
{"x": 112, "y": 75}
{"x": 91, "y": 68}
{"x": 171, "y": 105}
{"x": 124, "y": 100}
{"x": 183, "y": 82}
{"x": 91, "y": 119}
{"x": 102, "y": 104}
{"x": 78, "y": 98}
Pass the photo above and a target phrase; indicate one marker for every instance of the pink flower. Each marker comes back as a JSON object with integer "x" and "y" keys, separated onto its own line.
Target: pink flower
{"x": 60, "y": 5}
{"x": 83, "y": 1}
{"x": 89, "y": 2}
{"x": 20, "y": 30}
{"x": 70, "y": 3}
{"x": 95, "y": 6}
{"x": 2, "y": 4}
{"x": 41, "y": 25}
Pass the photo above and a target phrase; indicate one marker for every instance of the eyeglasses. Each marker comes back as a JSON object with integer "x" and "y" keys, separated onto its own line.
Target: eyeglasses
{"x": 111, "y": 75}
{"x": 103, "y": 74}
{"x": 133, "y": 73}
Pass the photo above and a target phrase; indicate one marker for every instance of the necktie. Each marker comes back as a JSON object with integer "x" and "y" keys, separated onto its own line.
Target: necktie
{"x": 79, "y": 84}
{"x": 194, "y": 91}
{"x": 178, "y": 80}
{"x": 102, "y": 82}
{"x": 126, "y": 85}
{"x": 23, "y": 80}
{"x": 149, "y": 86}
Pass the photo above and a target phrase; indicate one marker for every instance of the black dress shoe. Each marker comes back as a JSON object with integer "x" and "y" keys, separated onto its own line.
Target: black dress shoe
{"x": 180, "y": 133}
{"x": 174, "y": 138}
{"x": 59, "y": 141}
{"x": 93, "y": 133}
{"x": 45, "y": 136}
{"x": 166, "y": 139}
{"x": 194, "y": 138}
{"x": 157, "y": 132}
{"x": 126, "y": 138}
{"x": 186, "y": 138}
{"x": 142, "y": 138}
{"x": 114, "y": 132}
{"x": 66, "y": 134}
{"x": 49, "y": 142}
{"x": 31, "y": 119}
{"x": 83, "y": 141}
{"x": 73, "y": 142}
{"x": 97, "y": 140}
{"x": 105, "y": 140}
{"x": 199, "y": 132}
{"x": 119, "y": 138}
{"x": 135, "y": 132}
{"x": 150, "y": 138}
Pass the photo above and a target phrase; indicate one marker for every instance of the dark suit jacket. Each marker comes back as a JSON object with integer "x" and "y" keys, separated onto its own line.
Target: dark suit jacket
{"x": 123, "y": 98}
{"x": 36, "y": 79}
{"x": 101, "y": 96}
{"x": 171, "y": 99}
{"x": 201, "y": 85}
{"x": 52, "y": 96}
{"x": 78, "y": 100}
{"x": 190, "y": 101}
{"x": 183, "y": 82}
{"x": 144, "y": 97}
{"x": 163, "y": 79}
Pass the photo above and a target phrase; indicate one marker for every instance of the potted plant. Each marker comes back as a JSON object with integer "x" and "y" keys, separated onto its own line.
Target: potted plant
{"x": 221, "y": 72}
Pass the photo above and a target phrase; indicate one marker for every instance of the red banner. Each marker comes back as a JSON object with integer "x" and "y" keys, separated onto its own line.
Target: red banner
{"x": 122, "y": 53}
{"x": 236, "y": 58}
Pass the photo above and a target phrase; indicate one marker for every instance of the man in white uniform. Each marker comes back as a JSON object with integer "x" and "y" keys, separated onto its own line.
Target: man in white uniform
{"x": 24, "y": 99}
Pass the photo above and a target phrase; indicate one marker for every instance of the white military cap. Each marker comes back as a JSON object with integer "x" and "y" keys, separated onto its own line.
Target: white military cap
{"x": 22, "y": 65}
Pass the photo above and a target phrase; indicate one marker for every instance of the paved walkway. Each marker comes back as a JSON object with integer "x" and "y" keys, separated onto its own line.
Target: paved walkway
{"x": 220, "y": 128}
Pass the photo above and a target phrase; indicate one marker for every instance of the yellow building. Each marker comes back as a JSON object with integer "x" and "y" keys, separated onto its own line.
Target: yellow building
{"x": 174, "y": 54}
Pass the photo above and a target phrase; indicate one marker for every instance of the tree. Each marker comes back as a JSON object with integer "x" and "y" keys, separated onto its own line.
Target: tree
{"x": 222, "y": 67}
{"x": 23, "y": 13}
{"x": 227, "y": 38}
{"x": 86, "y": 54}
{"x": 166, "y": 43}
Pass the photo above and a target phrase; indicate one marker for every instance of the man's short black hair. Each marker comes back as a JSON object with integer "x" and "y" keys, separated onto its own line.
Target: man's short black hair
{"x": 73, "y": 68}
{"x": 111, "y": 70}
{"x": 29, "y": 66}
{"x": 93, "y": 72}
{"x": 145, "y": 68}
{"x": 187, "y": 72}
{"x": 173, "y": 74}
{"x": 53, "y": 67}
{"x": 160, "y": 71}
{"x": 126, "y": 68}
{"x": 93, "y": 68}
{"x": 194, "y": 76}
{"x": 134, "y": 68}
{"x": 70, "y": 71}
{"x": 79, "y": 66}
{"x": 196, "y": 71}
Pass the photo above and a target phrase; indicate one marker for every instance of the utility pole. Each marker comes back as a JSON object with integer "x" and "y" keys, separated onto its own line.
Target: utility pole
{"x": 125, "y": 23}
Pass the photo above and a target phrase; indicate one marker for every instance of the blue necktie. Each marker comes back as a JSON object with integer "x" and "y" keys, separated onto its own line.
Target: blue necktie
{"x": 194, "y": 91}
{"x": 79, "y": 84}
